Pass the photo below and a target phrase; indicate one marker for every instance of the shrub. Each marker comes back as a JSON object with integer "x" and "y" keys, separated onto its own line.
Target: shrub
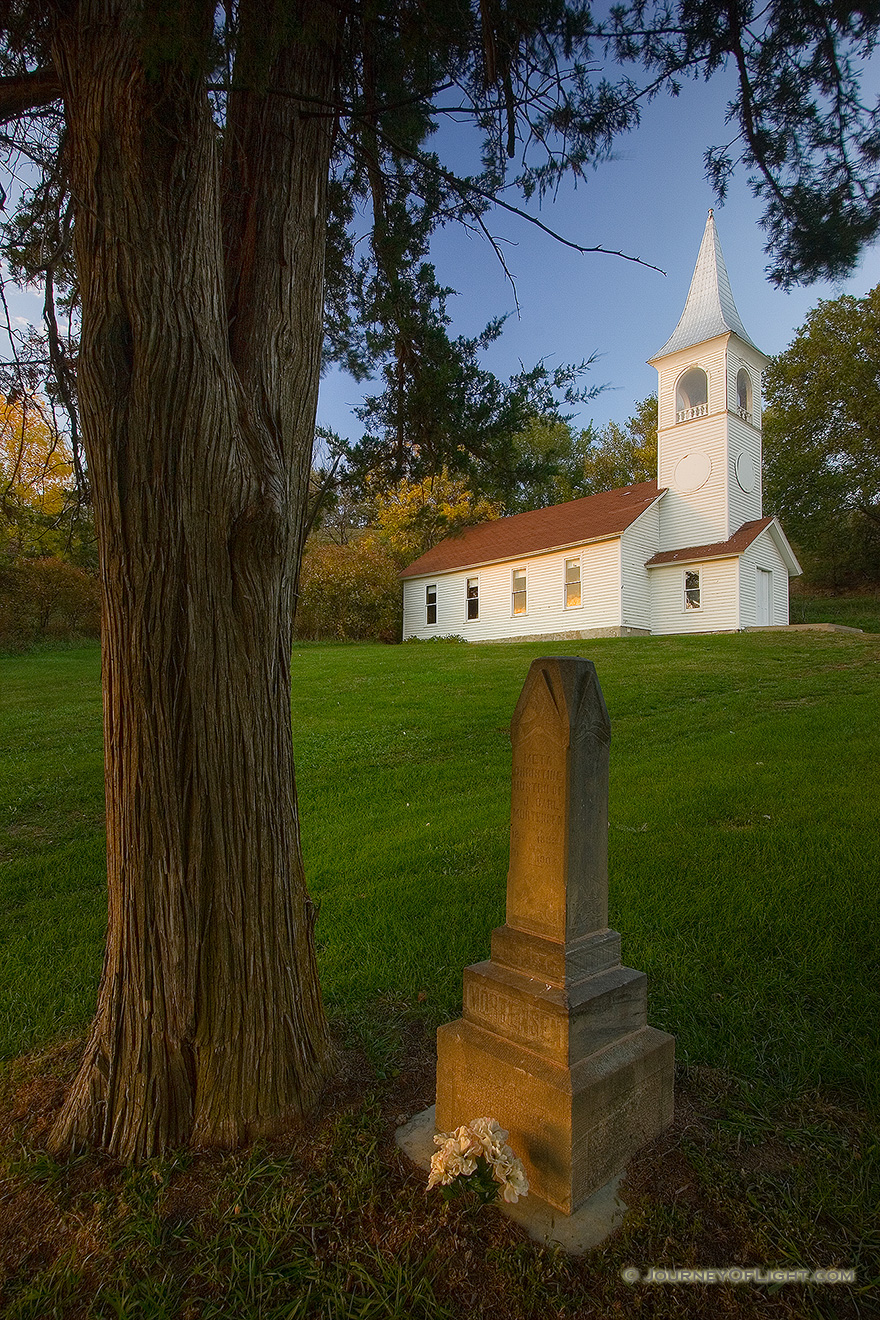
{"x": 349, "y": 592}
{"x": 47, "y": 599}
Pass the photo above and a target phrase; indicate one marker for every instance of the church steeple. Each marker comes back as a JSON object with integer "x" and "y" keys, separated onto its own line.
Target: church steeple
{"x": 710, "y": 309}
{"x": 709, "y": 412}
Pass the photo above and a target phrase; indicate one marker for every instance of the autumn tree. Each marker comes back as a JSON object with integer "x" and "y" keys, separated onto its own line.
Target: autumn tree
{"x": 412, "y": 516}
{"x": 350, "y": 584}
{"x": 349, "y": 591}
{"x": 36, "y": 477}
{"x": 821, "y": 431}
{"x": 206, "y": 177}
{"x": 623, "y": 455}
{"x": 43, "y": 527}
{"x": 44, "y": 598}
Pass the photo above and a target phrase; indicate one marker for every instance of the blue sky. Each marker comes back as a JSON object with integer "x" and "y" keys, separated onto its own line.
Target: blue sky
{"x": 651, "y": 201}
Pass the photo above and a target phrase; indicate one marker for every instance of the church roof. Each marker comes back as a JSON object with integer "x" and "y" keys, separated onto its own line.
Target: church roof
{"x": 593, "y": 518}
{"x": 710, "y": 309}
{"x": 740, "y": 541}
{"x": 735, "y": 545}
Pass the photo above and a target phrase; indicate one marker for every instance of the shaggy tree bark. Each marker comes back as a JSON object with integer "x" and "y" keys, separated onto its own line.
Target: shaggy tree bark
{"x": 201, "y": 284}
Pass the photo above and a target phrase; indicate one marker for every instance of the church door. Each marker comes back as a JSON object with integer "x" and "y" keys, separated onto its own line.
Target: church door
{"x": 765, "y": 597}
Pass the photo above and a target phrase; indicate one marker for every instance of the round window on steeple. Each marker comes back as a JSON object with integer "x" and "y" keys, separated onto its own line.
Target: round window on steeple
{"x": 744, "y": 394}
{"x": 692, "y": 395}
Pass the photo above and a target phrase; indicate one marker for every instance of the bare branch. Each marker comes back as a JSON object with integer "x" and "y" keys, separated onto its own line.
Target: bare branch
{"x": 465, "y": 186}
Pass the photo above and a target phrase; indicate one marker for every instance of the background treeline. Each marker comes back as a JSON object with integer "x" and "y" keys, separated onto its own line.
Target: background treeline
{"x": 822, "y": 443}
{"x": 365, "y": 529}
{"x": 370, "y": 516}
{"x": 47, "y": 600}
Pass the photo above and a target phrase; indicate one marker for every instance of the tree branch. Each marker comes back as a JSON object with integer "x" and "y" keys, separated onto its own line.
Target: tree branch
{"x": 22, "y": 92}
{"x": 321, "y": 495}
{"x": 465, "y": 186}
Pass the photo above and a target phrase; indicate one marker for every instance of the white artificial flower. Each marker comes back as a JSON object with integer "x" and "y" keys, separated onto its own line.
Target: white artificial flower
{"x": 468, "y": 1142}
{"x": 460, "y": 1150}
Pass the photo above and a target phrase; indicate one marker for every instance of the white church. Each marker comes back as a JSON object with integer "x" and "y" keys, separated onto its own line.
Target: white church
{"x": 688, "y": 553}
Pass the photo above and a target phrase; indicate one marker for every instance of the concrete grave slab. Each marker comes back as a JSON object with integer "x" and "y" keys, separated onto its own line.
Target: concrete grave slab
{"x": 597, "y": 1218}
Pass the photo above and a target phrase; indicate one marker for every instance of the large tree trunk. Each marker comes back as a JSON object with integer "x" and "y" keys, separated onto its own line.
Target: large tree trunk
{"x": 198, "y": 386}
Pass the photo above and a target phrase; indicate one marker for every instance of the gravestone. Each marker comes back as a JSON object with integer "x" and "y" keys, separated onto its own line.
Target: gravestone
{"x": 554, "y": 1041}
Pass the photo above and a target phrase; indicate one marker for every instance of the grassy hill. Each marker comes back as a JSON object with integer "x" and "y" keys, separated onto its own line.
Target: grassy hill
{"x": 743, "y": 879}
{"x": 859, "y": 609}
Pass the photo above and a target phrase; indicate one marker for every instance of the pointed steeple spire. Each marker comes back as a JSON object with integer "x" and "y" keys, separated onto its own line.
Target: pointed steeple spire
{"x": 710, "y": 309}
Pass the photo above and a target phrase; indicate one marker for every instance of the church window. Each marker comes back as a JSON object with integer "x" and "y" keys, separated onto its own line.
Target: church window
{"x": 692, "y": 395}
{"x": 473, "y": 598}
{"x": 431, "y": 604}
{"x": 572, "y": 583}
{"x": 519, "y": 591}
{"x": 692, "y": 588}
{"x": 744, "y": 394}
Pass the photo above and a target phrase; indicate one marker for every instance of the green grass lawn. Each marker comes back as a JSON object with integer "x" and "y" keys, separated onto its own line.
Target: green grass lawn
{"x": 857, "y": 610}
{"x": 743, "y": 879}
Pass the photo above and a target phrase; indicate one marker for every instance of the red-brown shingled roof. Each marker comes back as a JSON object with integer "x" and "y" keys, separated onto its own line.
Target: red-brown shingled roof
{"x": 594, "y": 518}
{"x": 741, "y": 540}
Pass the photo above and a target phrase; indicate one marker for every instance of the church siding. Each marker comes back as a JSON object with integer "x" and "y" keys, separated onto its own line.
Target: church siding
{"x": 743, "y": 355}
{"x": 413, "y": 615}
{"x": 639, "y": 542}
{"x": 719, "y": 596}
{"x": 696, "y": 517}
{"x": 601, "y": 584}
{"x": 762, "y": 553}
{"x": 745, "y": 506}
{"x": 545, "y": 597}
{"x": 700, "y": 517}
{"x": 711, "y": 357}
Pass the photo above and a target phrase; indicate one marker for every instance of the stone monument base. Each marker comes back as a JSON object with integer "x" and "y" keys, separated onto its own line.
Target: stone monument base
{"x": 589, "y": 1226}
{"x": 574, "y": 1128}
{"x": 553, "y": 1041}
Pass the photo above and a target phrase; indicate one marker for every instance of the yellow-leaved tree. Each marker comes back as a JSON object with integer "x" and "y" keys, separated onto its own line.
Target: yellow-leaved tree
{"x": 414, "y": 515}
{"x": 36, "y": 478}
{"x": 353, "y": 590}
{"x": 42, "y": 529}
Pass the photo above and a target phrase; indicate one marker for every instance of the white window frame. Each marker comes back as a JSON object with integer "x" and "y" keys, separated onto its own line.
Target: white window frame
{"x": 429, "y": 604}
{"x": 523, "y": 570}
{"x": 685, "y": 574}
{"x": 468, "y": 617}
{"x": 576, "y": 559}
